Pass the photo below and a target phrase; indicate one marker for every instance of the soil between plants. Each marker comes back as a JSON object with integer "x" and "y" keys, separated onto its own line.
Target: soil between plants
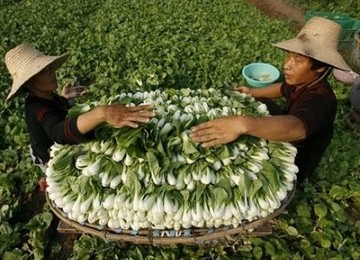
{"x": 281, "y": 10}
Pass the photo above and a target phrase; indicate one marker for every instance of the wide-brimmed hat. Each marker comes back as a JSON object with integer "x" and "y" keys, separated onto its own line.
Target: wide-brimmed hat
{"x": 24, "y": 61}
{"x": 318, "y": 39}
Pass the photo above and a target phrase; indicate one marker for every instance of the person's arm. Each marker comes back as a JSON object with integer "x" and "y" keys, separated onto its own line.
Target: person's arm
{"x": 354, "y": 95}
{"x": 73, "y": 130}
{"x": 272, "y": 91}
{"x": 116, "y": 115}
{"x": 227, "y": 129}
{"x": 71, "y": 92}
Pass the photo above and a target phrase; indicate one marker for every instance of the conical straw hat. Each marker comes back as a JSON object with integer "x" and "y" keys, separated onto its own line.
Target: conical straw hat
{"x": 24, "y": 62}
{"x": 318, "y": 39}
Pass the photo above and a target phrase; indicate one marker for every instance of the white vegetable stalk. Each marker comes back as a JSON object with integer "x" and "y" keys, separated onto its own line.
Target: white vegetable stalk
{"x": 82, "y": 161}
{"x": 114, "y": 183}
{"x": 109, "y": 202}
{"x": 92, "y": 169}
{"x": 118, "y": 155}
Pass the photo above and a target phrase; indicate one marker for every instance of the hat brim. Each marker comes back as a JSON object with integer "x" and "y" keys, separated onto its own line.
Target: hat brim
{"x": 39, "y": 65}
{"x": 330, "y": 57}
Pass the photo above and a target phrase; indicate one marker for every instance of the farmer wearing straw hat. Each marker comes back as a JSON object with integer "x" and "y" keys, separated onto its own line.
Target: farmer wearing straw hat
{"x": 308, "y": 117}
{"x": 46, "y": 112}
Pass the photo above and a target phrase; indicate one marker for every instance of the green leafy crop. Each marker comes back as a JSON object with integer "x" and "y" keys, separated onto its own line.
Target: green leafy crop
{"x": 120, "y": 46}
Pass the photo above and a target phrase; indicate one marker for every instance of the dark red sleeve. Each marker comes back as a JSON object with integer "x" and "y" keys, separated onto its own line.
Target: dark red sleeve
{"x": 59, "y": 128}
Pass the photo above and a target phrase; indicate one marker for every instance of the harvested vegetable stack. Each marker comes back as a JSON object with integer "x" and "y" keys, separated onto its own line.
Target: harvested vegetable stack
{"x": 156, "y": 177}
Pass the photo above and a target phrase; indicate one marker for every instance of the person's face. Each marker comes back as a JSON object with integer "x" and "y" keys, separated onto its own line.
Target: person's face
{"x": 45, "y": 80}
{"x": 297, "y": 69}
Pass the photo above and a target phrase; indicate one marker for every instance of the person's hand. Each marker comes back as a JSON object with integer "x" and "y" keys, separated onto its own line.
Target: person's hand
{"x": 119, "y": 115}
{"x": 218, "y": 131}
{"x": 70, "y": 91}
{"x": 42, "y": 184}
{"x": 243, "y": 89}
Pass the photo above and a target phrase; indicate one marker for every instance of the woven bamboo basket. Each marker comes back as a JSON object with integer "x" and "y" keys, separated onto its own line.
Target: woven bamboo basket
{"x": 193, "y": 236}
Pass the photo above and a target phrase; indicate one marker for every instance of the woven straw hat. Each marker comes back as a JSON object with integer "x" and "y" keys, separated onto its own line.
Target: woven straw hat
{"x": 318, "y": 39}
{"x": 24, "y": 62}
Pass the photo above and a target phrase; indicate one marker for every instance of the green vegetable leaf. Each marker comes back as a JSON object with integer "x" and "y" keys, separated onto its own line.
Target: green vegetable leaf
{"x": 320, "y": 210}
{"x": 154, "y": 166}
{"x": 292, "y": 231}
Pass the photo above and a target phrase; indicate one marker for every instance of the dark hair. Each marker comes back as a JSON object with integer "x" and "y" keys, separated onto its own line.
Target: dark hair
{"x": 316, "y": 64}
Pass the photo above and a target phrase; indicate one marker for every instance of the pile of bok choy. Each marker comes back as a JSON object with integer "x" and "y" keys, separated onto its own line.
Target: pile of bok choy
{"x": 155, "y": 177}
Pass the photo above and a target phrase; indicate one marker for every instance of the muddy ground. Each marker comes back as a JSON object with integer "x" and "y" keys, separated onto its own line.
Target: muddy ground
{"x": 281, "y": 10}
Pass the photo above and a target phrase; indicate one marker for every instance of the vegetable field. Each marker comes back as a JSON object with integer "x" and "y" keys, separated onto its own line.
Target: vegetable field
{"x": 154, "y": 46}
